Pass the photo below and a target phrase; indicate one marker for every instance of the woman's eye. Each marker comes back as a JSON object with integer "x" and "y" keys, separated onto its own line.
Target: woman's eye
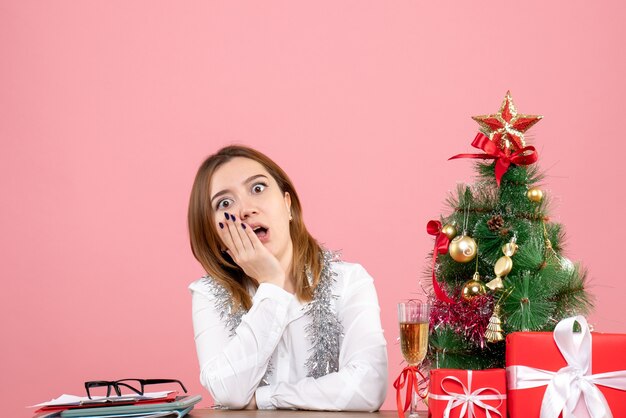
{"x": 258, "y": 188}
{"x": 224, "y": 204}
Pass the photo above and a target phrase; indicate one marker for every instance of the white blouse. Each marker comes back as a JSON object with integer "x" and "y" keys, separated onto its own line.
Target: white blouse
{"x": 231, "y": 368}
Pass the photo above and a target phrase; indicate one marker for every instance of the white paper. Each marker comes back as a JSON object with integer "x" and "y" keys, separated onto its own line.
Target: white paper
{"x": 77, "y": 400}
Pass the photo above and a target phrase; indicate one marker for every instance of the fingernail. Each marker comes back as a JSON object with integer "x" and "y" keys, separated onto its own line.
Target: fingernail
{"x": 243, "y": 226}
{"x": 221, "y": 225}
{"x": 226, "y": 215}
{"x": 232, "y": 217}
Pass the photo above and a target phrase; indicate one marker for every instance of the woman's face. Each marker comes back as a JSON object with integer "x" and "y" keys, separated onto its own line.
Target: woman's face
{"x": 243, "y": 187}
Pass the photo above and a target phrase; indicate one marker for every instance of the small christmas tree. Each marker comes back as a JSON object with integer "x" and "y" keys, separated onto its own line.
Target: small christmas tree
{"x": 498, "y": 265}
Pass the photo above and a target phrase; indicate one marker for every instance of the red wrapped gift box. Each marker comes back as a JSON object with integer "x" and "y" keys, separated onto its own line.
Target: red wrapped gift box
{"x": 454, "y": 393}
{"x": 539, "y": 350}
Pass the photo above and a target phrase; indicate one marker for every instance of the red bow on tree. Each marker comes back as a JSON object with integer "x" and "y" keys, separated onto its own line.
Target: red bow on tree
{"x": 441, "y": 247}
{"x": 525, "y": 156}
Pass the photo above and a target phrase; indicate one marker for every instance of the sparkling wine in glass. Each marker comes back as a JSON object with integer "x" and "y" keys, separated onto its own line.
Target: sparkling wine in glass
{"x": 413, "y": 317}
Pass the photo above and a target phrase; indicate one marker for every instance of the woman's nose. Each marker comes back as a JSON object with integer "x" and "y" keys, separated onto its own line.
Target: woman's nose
{"x": 246, "y": 210}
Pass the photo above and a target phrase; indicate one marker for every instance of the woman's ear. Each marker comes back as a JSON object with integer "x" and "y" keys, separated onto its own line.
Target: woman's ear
{"x": 287, "y": 199}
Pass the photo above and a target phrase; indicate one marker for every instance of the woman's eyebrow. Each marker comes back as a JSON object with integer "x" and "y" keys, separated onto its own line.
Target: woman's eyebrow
{"x": 256, "y": 176}
{"x": 218, "y": 194}
{"x": 246, "y": 181}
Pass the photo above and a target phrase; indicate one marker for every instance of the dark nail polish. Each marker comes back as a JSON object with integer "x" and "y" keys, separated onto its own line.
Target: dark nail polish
{"x": 232, "y": 217}
{"x": 221, "y": 225}
{"x": 226, "y": 215}
{"x": 243, "y": 226}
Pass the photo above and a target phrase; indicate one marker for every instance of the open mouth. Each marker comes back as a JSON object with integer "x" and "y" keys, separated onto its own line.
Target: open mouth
{"x": 260, "y": 231}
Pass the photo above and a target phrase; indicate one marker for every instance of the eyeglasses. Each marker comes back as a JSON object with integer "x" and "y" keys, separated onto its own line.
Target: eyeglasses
{"x": 131, "y": 384}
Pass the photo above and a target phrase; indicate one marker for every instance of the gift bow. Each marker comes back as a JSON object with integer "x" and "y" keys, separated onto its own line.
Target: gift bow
{"x": 567, "y": 385}
{"x": 524, "y": 156}
{"x": 468, "y": 399}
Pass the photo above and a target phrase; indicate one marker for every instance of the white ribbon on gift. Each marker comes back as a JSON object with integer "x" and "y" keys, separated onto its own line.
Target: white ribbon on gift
{"x": 468, "y": 399}
{"x": 567, "y": 385}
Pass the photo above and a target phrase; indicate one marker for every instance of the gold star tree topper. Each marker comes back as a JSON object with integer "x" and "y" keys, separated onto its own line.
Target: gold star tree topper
{"x": 507, "y": 127}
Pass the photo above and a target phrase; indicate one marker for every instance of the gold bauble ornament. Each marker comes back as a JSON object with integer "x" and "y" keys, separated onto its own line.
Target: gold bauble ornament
{"x": 473, "y": 288}
{"x": 535, "y": 194}
{"x": 449, "y": 230}
{"x": 463, "y": 249}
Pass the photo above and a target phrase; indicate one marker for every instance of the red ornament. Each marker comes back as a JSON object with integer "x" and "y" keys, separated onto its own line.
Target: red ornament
{"x": 506, "y": 128}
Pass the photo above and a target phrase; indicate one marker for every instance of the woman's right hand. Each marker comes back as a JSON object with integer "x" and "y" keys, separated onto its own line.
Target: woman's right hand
{"x": 245, "y": 248}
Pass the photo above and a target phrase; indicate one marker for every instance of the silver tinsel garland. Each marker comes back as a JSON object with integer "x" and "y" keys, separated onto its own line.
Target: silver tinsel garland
{"x": 224, "y": 305}
{"x": 324, "y": 331}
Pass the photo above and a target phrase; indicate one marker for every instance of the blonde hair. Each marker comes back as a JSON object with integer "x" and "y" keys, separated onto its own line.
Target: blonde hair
{"x": 205, "y": 241}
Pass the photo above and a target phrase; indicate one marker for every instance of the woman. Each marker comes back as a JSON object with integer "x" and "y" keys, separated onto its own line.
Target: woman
{"x": 278, "y": 321}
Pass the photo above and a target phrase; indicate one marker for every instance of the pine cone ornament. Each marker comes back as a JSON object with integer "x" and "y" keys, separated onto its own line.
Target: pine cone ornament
{"x": 495, "y": 223}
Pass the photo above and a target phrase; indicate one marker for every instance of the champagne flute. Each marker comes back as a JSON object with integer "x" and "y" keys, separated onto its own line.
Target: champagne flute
{"x": 413, "y": 317}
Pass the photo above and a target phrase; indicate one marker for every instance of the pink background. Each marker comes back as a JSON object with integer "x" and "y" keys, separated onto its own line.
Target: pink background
{"x": 108, "y": 107}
